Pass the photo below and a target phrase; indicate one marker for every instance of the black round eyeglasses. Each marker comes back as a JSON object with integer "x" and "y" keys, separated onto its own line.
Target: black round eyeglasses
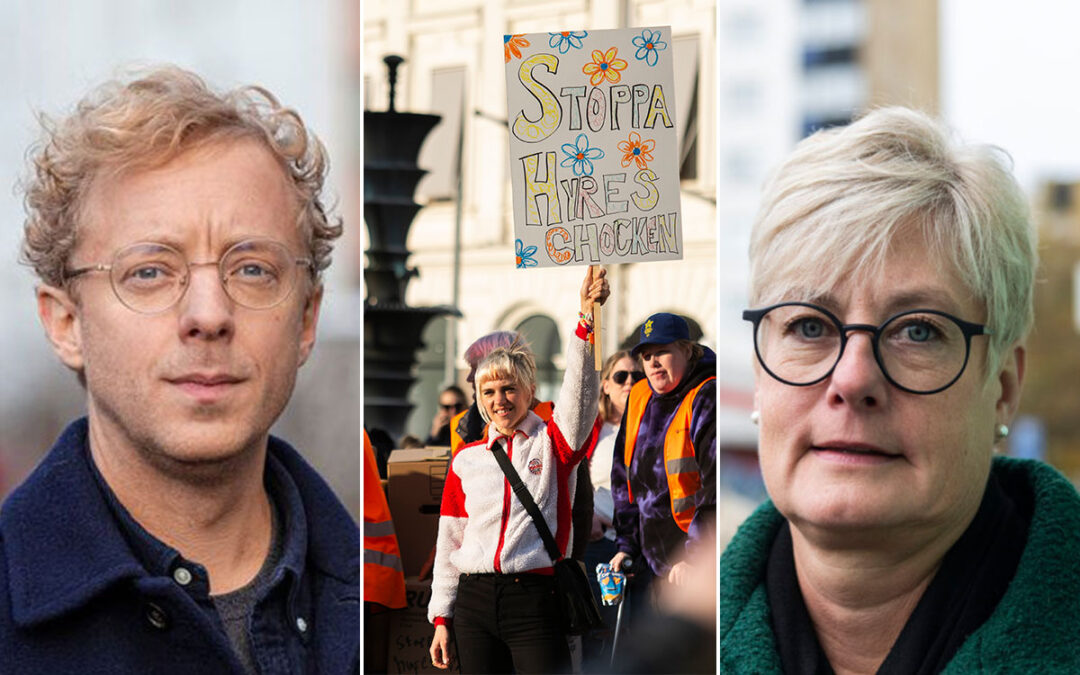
{"x": 920, "y": 351}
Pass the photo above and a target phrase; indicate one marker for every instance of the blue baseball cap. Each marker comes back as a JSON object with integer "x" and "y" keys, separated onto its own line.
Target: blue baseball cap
{"x": 662, "y": 328}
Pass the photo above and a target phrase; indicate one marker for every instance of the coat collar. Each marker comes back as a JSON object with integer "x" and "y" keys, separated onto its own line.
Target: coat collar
{"x": 64, "y": 546}
{"x": 527, "y": 427}
{"x": 1020, "y": 635}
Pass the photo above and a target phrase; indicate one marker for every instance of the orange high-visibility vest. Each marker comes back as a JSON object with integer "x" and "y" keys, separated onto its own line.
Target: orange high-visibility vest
{"x": 543, "y": 410}
{"x": 384, "y": 577}
{"x": 456, "y": 441}
{"x": 680, "y": 463}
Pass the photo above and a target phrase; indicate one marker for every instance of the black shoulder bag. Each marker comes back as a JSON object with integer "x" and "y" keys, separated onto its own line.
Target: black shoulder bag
{"x": 579, "y": 610}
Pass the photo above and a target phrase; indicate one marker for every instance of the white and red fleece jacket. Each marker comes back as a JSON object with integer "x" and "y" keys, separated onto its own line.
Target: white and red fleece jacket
{"x": 482, "y": 525}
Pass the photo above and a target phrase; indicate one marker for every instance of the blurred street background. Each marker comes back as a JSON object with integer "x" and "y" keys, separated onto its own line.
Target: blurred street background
{"x": 53, "y": 52}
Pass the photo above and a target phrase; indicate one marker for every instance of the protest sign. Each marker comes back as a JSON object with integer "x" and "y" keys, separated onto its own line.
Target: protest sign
{"x": 593, "y": 147}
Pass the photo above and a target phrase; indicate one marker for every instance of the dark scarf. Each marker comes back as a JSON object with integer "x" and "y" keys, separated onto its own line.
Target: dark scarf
{"x": 971, "y": 581}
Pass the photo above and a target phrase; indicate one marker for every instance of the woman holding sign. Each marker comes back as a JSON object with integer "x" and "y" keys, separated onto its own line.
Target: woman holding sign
{"x": 492, "y": 580}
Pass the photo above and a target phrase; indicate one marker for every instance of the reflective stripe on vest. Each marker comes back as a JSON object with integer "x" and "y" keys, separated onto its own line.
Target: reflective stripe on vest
{"x": 680, "y": 463}
{"x": 383, "y": 559}
{"x": 384, "y": 577}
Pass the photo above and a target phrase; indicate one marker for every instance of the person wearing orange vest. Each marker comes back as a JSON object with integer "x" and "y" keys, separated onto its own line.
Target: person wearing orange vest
{"x": 663, "y": 474}
{"x": 384, "y": 577}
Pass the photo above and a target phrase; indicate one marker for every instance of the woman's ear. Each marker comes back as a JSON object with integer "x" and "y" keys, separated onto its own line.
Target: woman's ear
{"x": 1011, "y": 379}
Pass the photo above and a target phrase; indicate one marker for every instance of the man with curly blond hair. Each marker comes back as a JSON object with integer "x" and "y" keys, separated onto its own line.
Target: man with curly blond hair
{"x": 179, "y": 236}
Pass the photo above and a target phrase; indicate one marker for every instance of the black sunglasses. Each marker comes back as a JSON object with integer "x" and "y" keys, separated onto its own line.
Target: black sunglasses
{"x": 451, "y": 406}
{"x": 619, "y": 376}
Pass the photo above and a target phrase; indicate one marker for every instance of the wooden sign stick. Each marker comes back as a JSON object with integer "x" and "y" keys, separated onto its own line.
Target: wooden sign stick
{"x": 598, "y": 349}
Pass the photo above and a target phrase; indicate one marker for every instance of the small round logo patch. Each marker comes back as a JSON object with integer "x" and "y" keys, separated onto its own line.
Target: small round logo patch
{"x": 535, "y": 466}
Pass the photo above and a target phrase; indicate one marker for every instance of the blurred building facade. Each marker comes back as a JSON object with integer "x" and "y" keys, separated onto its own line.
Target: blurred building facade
{"x": 1046, "y": 426}
{"x": 454, "y": 67}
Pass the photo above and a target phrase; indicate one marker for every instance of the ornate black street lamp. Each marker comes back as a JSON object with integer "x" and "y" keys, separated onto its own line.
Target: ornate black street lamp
{"x": 392, "y": 329}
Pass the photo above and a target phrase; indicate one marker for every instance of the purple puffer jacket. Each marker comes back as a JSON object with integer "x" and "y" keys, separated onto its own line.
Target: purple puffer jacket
{"x": 646, "y": 526}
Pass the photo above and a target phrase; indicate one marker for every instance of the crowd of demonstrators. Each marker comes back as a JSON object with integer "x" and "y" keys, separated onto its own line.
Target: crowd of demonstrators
{"x": 492, "y": 574}
{"x": 673, "y": 426}
{"x": 452, "y": 402}
{"x": 892, "y": 271}
{"x": 663, "y": 476}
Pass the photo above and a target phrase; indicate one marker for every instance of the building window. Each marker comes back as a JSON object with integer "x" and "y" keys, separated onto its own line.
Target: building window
{"x": 819, "y": 57}
{"x": 430, "y": 379}
{"x": 686, "y": 94}
{"x": 743, "y": 98}
{"x": 812, "y": 124}
{"x": 743, "y": 27}
{"x": 1061, "y": 196}
{"x": 439, "y": 155}
{"x": 543, "y": 336}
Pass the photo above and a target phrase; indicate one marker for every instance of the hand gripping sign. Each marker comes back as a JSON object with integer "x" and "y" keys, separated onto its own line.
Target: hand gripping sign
{"x": 593, "y": 147}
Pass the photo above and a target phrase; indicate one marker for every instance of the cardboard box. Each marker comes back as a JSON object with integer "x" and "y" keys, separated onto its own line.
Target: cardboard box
{"x": 416, "y": 478}
{"x": 410, "y": 633}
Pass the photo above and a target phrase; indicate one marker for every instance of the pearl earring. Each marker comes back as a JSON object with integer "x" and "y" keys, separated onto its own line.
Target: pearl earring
{"x": 755, "y": 417}
{"x": 1003, "y": 431}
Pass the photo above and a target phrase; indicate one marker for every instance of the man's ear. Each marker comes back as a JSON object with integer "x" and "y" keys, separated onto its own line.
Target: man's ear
{"x": 309, "y": 322}
{"x": 59, "y": 315}
{"x": 1011, "y": 379}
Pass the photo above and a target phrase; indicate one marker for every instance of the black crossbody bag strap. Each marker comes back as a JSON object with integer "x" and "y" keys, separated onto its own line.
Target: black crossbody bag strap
{"x": 526, "y": 500}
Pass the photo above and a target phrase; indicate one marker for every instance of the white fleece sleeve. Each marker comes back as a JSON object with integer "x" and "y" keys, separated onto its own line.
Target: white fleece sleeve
{"x": 576, "y": 407}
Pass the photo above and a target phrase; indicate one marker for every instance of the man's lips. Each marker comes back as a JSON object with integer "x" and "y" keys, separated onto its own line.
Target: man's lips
{"x": 205, "y": 387}
{"x": 205, "y": 379}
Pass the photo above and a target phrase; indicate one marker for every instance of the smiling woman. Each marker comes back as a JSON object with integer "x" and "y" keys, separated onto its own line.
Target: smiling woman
{"x": 492, "y": 577}
{"x": 892, "y": 273}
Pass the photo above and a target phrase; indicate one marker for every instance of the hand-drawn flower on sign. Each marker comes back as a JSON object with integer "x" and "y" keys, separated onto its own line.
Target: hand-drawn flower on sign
{"x": 648, "y": 44}
{"x": 512, "y": 44}
{"x": 566, "y": 39}
{"x": 604, "y": 64}
{"x": 636, "y": 150}
{"x": 524, "y": 254}
{"x": 580, "y": 156}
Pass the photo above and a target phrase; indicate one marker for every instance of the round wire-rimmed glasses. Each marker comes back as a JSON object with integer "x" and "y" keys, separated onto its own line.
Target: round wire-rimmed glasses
{"x": 920, "y": 351}
{"x": 150, "y": 277}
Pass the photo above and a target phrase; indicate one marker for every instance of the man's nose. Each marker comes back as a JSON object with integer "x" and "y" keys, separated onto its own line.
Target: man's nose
{"x": 206, "y": 310}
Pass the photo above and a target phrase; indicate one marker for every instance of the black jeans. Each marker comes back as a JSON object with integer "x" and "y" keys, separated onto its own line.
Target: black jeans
{"x": 506, "y": 623}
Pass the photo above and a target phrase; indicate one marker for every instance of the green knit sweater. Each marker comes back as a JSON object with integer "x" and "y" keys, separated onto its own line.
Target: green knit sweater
{"x": 1035, "y": 628}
